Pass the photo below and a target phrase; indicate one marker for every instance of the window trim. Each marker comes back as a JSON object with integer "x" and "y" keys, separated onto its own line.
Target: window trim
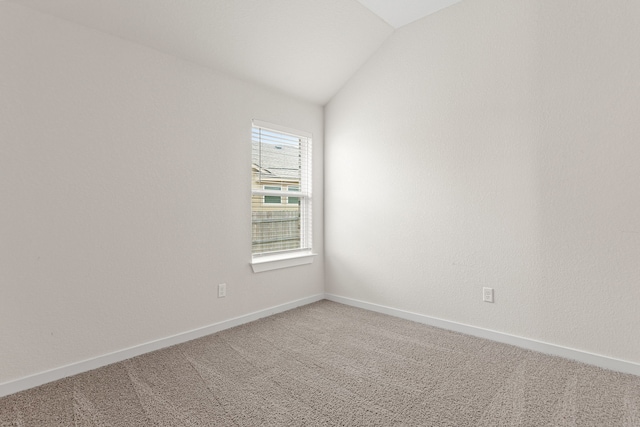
{"x": 276, "y": 261}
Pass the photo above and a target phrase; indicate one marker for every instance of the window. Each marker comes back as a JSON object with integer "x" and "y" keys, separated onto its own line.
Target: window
{"x": 293, "y": 200}
{"x": 281, "y": 192}
{"x": 272, "y": 199}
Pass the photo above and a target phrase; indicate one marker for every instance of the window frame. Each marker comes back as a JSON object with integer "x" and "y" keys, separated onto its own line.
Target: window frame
{"x": 293, "y": 257}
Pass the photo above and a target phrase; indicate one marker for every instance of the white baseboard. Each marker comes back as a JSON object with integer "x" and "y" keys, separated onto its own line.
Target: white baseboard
{"x": 41, "y": 378}
{"x": 526, "y": 343}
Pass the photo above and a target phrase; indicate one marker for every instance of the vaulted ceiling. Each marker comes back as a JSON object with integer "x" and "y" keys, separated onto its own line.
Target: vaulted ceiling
{"x": 306, "y": 48}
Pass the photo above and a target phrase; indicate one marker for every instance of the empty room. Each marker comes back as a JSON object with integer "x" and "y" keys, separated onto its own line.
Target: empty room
{"x": 336, "y": 212}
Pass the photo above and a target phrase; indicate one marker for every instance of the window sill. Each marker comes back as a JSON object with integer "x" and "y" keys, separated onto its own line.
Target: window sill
{"x": 274, "y": 262}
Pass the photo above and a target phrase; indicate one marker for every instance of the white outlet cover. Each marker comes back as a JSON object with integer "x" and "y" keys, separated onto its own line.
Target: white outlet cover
{"x": 487, "y": 294}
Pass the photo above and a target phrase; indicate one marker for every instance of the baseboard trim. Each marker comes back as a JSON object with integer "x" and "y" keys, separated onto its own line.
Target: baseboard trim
{"x": 55, "y": 374}
{"x": 526, "y": 343}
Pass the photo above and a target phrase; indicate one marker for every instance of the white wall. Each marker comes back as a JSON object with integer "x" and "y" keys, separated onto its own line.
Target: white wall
{"x": 495, "y": 144}
{"x": 124, "y": 195}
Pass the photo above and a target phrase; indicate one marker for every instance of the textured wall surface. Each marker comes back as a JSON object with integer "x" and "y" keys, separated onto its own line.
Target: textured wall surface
{"x": 495, "y": 144}
{"x": 125, "y": 194}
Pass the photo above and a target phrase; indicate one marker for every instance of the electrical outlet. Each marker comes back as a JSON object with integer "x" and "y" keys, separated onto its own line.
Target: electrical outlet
{"x": 487, "y": 294}
{"x": 222, "y": 290}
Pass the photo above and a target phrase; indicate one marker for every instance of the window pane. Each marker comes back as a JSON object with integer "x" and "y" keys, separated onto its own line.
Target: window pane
{"x": 274, "y": 228}
{"x": 276, "y": 158}
{"x": 272, "y": 199}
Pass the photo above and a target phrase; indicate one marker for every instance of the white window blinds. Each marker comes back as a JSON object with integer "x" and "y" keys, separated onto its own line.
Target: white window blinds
{"x": 281, "y": 189}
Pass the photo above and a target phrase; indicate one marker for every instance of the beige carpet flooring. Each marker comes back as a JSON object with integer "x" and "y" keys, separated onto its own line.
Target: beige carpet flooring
{"x": 327, "y": 364}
